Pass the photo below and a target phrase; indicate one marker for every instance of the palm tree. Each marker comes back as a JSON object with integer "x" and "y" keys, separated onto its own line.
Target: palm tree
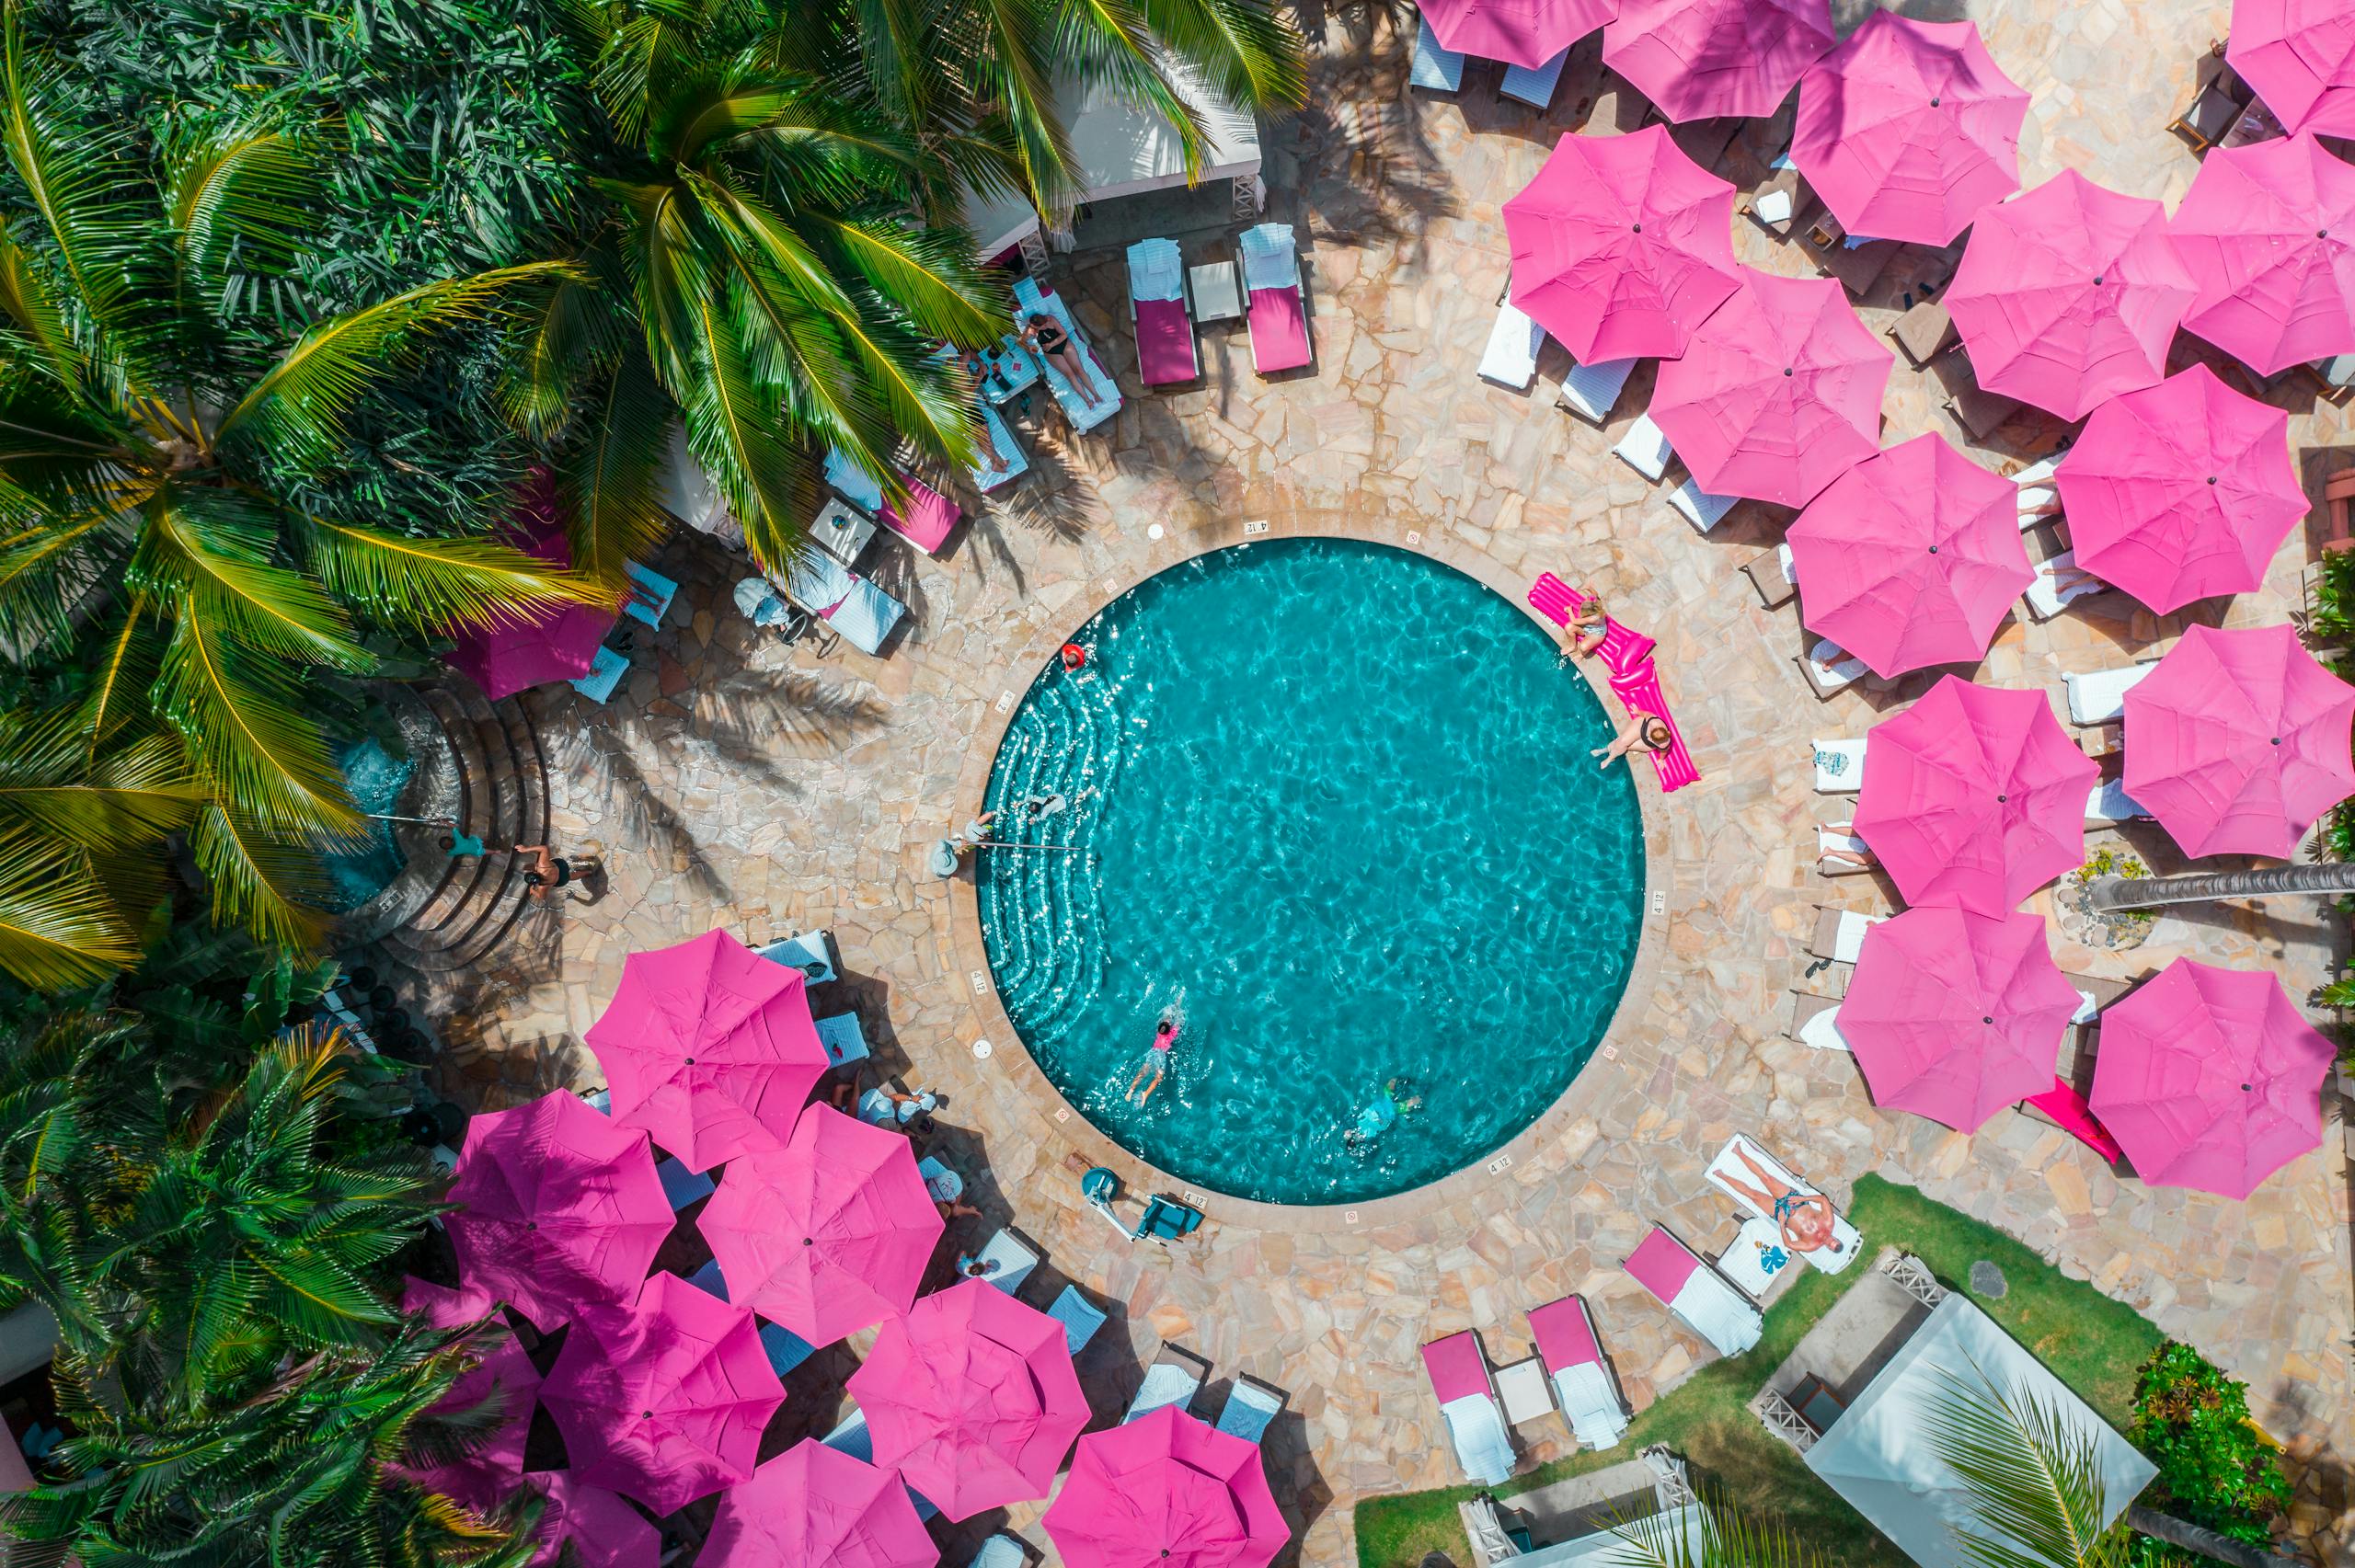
{"x": 783, "y": 298}
{"x": 2328, "y": 879}
{"x": 2033, "y": 1477}
{"x": 1714, "y": 1534}
{"x": 174, "y": 521}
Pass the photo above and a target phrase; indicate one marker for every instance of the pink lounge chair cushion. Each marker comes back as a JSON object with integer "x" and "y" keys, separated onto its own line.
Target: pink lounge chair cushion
{"x": 1279, "y": 330}
{"x": 1565, "y": 1336}
{"x": 2075, "y": 1118}
{"x": 930, "y": 516}
{"x": 1662, "y": 1264}
{"x": 1165, "y": 342}
{"x": 1458, "y": 1368}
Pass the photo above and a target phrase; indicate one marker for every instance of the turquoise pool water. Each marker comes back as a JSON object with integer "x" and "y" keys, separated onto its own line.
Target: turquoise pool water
{"x": 1334, "y": 809}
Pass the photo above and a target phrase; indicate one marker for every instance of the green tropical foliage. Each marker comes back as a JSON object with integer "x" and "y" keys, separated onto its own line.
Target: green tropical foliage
{"x": 1715, "y": 1535}
{"x": 174, "y": 538}
{"x": 2033, "y": 1474}
{"x": 2215, "y": 1469}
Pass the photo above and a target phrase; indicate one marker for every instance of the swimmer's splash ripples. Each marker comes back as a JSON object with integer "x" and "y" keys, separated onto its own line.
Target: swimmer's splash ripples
{"x": 1338, "y": 812}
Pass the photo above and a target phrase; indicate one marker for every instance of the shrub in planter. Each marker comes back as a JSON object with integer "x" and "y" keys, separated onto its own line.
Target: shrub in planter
{"x": 2215, "y": 1469}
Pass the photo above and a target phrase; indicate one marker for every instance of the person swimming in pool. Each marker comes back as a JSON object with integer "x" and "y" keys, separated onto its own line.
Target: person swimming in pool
{"x": 1156, "y": 1059}
{"x": 1398, "y": 1098}
{"x": 1806, "y": 1217}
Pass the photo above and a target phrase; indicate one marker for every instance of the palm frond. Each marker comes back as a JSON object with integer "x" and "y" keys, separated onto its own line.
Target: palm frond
{"x": 1244, "y": 52}
{"x": 122, "y": 671}
{"x": 240, "y": 719}
{"x": 58, "y": 928}
{"x": 212, "y": 547}
{"x": 555, "y": 346}
{"x": 48, "y": 788}
{"x": 924, "y": 275}
{"x": 1018, "y": 68}
{"x": 36, "y": 322}
{"x": 2033, "y": 1476}
{"x": 673, "y": 280}
{"x": 242, "y": 189}
{"x": 732, "y": 425}
{"x": 259, "y": 882}
{"x": 609, "y": 478}
{"x": 1712, "y": 1533}
{"x": 302, "y": 400}
{"x": 639, "y": 57}
{"x": 436, "y": 585}
{"x": 48, "y": 564}
{"x": 1109, "y": 44}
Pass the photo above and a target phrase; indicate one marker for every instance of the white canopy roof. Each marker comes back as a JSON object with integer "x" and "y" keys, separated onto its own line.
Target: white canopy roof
{"x": 1122, "y": 150}
{"x": 1878, "y": 1456}
{"x": 1608, "y": 1549}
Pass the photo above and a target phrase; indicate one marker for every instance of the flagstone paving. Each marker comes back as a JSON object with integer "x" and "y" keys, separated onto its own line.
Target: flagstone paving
{"x": 736, "y": 782}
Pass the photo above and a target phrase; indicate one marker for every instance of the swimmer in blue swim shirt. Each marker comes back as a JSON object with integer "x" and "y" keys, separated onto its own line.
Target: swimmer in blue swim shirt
{"x": 1398, "y": 1098}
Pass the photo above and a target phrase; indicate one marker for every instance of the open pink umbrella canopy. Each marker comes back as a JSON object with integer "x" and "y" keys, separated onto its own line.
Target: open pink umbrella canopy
{"x": 1167, "y": 1490}
{"x": 665, "y": 1401}
{"x": 557, "y": 1210}
{"x": 1911, "y": 557}
{"x": 2181, "y": 490}
{"x": 2069, "y": 295}
{"x": 1778, "y": 391}
{"x": 971, "y": 1397}
{"x": 809, "y": 1506}
{"x": 1954, "y": 1015}
{"x": 2209, "y": 1078}
{"x": 2268, "y": 232}
{"x": 828, "y": 1234}
{"x": 1697, "y": 59}
{"x": 1907, "y": 128}
{"x": 1519, "y": 32}
{"x": 1621, "y": 246}
{"x": 604, "y": 1530}
{"x": 2300, "y": 56}
{"x": 2237, "y": 742}
{"x": 710, "y": 1047}
{"x": 1974, "y": 798}
{"x": 444, "y": 1308}
{"x": 534, "y": 647}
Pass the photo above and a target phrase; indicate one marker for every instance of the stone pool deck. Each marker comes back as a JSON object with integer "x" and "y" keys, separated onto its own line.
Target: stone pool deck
{"x": 734, "y": 781}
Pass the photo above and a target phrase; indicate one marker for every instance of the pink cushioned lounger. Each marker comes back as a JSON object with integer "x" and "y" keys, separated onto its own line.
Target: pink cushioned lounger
{"x": 1165, "y": 343}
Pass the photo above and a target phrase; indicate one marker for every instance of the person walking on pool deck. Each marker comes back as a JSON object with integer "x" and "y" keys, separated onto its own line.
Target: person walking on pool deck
{"x": 1156, "y": 1059}
{"x": 548, "y": 872}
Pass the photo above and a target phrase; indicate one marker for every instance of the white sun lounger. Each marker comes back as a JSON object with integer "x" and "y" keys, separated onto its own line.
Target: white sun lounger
{"x": 1435, "y": 69}
{"x": 1079, "y": 1317}
{"x": 2044, "y": 601}
{"x": 1251, "y": 1408}
{"x": 1695, "y": 1293}
{"x": 1276, "y": 308}
{"x": 1511, "y": 358}
{"x": 2100, "y": 697}
{"x": 1534, "y": 88}
{"x": 1728, "y": 1173}
{"x": 853, "y": 606}
{"x": 1816, "y": 1023}
{"x": 1572, "y": 1354}
{"x": 1645, "y": 448}
{"x": 986, "y": 478}
{"x": 2108, "y": 805}
{"x": 854, "y": 484}
{"x": 1014, "y": 1257}
{"x": 1829, "y": 667}
{"x": 1174, "y": 1378}
{"x": 1848, "y": 930}
{"x": 1162, "y": 325}
{"x": 1001, "y": 1550}
{"x": 1840, "y": 766}
{"x": 1458, "y": 1369}
{"x": 1700, "y": 509}
{"x": 1592, "y": 391}
{"x": 1029, "y": 298}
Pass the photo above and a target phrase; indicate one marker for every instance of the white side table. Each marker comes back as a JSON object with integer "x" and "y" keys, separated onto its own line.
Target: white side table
{"x": 1218, "y": 292}
{"x": 1522, "y": 1388}
{"x": 841, "y": 531}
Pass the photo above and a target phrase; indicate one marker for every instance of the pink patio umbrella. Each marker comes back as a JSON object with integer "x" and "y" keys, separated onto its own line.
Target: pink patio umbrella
{"x": 2210, "y": 1078}
{"x": 1698, "y": 59}
{"x": 2300, "y": 56}
{"x": 1621, "y": 246}
{"x": 2180, "y": 490}
{"x": 973, "y": 1398}
{"x": 1974, "y": 798}
{"x": 604, "y": 1530}
{"x": 828, "y": 1234}
{"x": 1778, "y": 393}
{"x": 710, "y": 1047}
{"x": 2069, "y": 295}
{"x": 557, "y": 1209}
{"x": 1166, "y": 1491}
{"x": 664, "y": 1401}
{"x": 2268, "y": 232}
{"x": 1911, "y": 557}
{"x": 1954, "y": 1015}
{"x": 2237, "y": 742}
{"x": 1907, "y": 128}
{"x": 809, "y": 1506}
{"x": 1519, "y": 32}
{"x": 487, "y": 1474}
{"x": 525, "y": 649}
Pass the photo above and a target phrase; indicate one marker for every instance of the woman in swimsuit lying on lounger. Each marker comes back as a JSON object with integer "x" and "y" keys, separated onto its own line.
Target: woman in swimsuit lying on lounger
{"x": 1863, "y": 857}
{"x": 1806, "y": 1217}
{"x": 1045, "y": 334}
{"x": 1642, "y": 732}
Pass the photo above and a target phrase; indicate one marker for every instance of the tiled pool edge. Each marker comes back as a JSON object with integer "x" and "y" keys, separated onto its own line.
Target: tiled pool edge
{"x": 1613, "y": 1068}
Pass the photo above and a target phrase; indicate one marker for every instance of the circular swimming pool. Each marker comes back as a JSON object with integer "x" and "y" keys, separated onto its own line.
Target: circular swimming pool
{"x": 1328, "y": 806}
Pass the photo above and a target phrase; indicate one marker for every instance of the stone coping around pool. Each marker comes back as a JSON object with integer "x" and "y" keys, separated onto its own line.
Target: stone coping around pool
{"x": 1060, "y": 1122}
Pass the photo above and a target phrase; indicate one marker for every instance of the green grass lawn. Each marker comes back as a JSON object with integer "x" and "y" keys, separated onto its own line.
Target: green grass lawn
{"x": 2091, "y": 1343}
